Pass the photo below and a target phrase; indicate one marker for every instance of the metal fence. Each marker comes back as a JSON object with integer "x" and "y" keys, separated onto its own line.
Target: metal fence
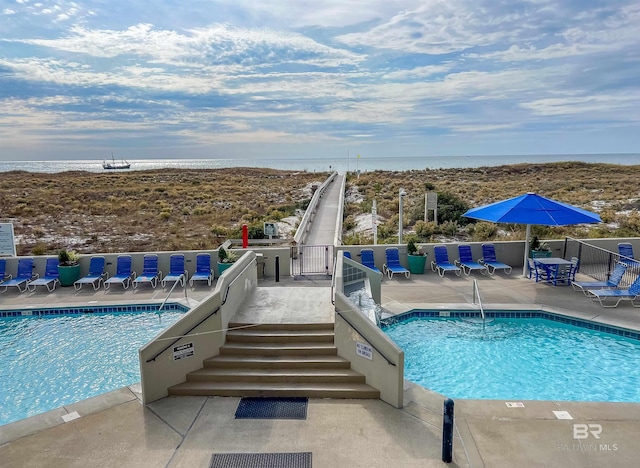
{"x": 598, "y": 263}
{"x": 312, "y": 260}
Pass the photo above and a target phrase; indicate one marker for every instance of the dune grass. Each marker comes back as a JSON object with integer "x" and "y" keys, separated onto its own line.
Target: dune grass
{"x": 181, "y": 209}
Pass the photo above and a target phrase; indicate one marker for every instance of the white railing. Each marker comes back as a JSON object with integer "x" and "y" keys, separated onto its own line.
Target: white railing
{"x": 305, "y": 222}
{"x": 476, "y": 295}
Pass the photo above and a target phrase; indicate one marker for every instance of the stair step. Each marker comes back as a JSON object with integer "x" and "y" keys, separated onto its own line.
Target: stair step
{"x": 279, "y": 349}
{"x": 260, "y": 375}
{"x": 245, "y": 389}
{"x": 248, "y": 335}
{"x": 277, "y": 362}
{"x": 281, "y": 326}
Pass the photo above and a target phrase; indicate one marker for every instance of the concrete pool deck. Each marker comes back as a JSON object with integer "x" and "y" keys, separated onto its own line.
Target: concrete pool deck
{"x": 115, "y": 429}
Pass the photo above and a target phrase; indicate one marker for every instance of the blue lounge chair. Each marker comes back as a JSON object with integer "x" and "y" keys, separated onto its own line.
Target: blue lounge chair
{"x": 612, "y": 283}
{"x": 124, "y": 274}
{"x": 150, "y": 273}
{"x": 367, "y": 259}
{"x": 392, "y": 265}
{"x": 346, "y": 253}
{"x": 491, "y": 262}
{"x": 177, "y": 271}
{"x": 631, "y": 294}
{"x": 50, "y": 278}
{"x": 3, "y": 270}
{"x": 625, "y": 250}
{"x": 23, "y": 277}
{"x": 95, "y": 276}
{"x": 441, "y": 262}
{"x": 203, "y": 269}
{"x": 466, "y": 261}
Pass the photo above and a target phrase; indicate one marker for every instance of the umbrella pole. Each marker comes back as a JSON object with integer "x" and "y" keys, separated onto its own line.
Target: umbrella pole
{"x": 526, "y": 251}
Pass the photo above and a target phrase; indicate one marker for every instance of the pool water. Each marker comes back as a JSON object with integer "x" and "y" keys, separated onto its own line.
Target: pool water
{"x": 49, "y": 362}
{"x": 524, "y": 359}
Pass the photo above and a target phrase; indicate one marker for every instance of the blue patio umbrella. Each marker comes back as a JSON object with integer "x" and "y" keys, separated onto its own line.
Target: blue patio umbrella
{"x": 529, "y": 209}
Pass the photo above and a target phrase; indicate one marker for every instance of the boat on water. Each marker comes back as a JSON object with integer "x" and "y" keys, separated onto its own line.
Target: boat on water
{"x": 113, "y": 164}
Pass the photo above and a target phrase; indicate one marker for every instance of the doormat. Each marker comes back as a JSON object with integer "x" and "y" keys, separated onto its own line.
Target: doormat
{"x": 272, "y": 408}
{"x": 261, "y": 460}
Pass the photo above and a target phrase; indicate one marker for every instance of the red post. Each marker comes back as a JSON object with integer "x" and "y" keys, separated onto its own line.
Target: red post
{"x": 245, "y": 236}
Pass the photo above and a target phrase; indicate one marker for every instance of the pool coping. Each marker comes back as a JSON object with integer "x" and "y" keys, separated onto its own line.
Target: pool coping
{"x": 67, "y": 413}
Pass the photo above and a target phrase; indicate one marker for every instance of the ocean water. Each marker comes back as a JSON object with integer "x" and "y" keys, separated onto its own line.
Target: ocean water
{"x": 322, "y": 165}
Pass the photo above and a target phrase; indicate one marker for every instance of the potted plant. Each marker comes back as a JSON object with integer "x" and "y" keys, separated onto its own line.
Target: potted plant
{"x": 538, "y": 249}
{"x": 225, "y": 259}
{"x": 417, "y": 259}
{"x": 68, "y": 267}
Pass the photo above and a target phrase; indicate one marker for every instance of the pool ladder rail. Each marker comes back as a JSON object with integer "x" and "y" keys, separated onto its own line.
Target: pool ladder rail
{"x": 476, "y": 295}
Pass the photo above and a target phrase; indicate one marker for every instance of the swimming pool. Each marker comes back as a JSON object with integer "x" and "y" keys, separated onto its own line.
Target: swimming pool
{"x": 532, "y": 358}
{"x": 53, "y": 357}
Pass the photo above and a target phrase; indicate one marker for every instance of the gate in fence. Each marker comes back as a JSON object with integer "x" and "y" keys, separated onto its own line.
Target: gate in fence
{"x": 312, "y": 260}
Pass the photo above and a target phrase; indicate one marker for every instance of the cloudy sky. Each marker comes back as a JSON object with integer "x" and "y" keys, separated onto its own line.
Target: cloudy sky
{"x": 278, "y": 79}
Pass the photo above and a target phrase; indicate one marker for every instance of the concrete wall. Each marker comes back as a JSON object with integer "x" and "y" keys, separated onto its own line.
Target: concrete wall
{"x": 352, "y": 326}
{"x": 386, "y": 377}
{"x": 268, "y": 257}
{"x": 231, "y": 289}
{"x": 510, "y": 252}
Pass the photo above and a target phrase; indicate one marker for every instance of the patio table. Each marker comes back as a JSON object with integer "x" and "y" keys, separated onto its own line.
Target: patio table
{"x": 552, "y": 265}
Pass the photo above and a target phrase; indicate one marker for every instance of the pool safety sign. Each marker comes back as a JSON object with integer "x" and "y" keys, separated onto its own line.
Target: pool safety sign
{"x": 364, "y": 350}
{"x": 182, "y": 351}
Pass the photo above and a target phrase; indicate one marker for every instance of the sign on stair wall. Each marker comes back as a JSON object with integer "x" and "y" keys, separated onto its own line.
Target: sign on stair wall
{"x": 364, "y": 350}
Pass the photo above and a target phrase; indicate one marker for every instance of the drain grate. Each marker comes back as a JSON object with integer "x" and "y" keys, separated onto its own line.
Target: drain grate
{"x": 261, "y": 460}
{"x": 272, "y": 408}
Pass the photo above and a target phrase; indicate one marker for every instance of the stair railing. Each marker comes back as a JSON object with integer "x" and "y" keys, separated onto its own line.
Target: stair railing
{"x": 185, "y": 334}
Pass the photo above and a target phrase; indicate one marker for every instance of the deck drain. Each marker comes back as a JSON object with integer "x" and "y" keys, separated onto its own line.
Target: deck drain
{"x": 262, "y": 460}
{"x": 272, "y": 408}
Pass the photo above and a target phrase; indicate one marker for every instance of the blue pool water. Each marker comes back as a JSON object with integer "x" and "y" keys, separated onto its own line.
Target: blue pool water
{"x": 524, "y": 359}
{"x": 53, "y": 361}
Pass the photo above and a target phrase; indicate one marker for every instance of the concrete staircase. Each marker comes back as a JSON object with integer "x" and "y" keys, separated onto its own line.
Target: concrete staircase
{"x": 277, "y": 360}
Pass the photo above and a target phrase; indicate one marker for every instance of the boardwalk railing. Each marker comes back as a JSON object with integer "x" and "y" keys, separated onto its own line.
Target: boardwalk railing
{"x": 305, "y": 222}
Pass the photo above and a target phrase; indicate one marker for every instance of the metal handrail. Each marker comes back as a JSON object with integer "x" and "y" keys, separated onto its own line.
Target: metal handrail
{"x": 476, "y": 293}
{"x": 171, "y": 290}
{"x": 365, "y": 338}
{"x": 185, "y": 334}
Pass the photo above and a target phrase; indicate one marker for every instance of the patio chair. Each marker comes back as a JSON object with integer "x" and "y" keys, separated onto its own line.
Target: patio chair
{"x": 561, "y": 274}
{"x": 23, "y": 277}
{"x": 631, "y": 294}
{"x": 367, "y": 259}
{"x": 612, "y": 283}
{"x": 537, "y": 270}
{"x": 392, "y": 265}
{"x": 50, "y": 278}
{"x": 124, "y": 273}
{"x": 203, "y": 269}
{"x": 177, "y": 272}
{"x": 3, "y": 270}
{"x": 95, "y": 276}
{"x": 150, "y": 273}
{"x": 466, "y": 261}
{"x": 441, "y": 262}
{"x": 491, "y": 262}
{"x": 346, "y": 253}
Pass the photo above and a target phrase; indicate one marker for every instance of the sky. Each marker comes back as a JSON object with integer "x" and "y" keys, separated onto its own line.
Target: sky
{"x": 280, "y": 79}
